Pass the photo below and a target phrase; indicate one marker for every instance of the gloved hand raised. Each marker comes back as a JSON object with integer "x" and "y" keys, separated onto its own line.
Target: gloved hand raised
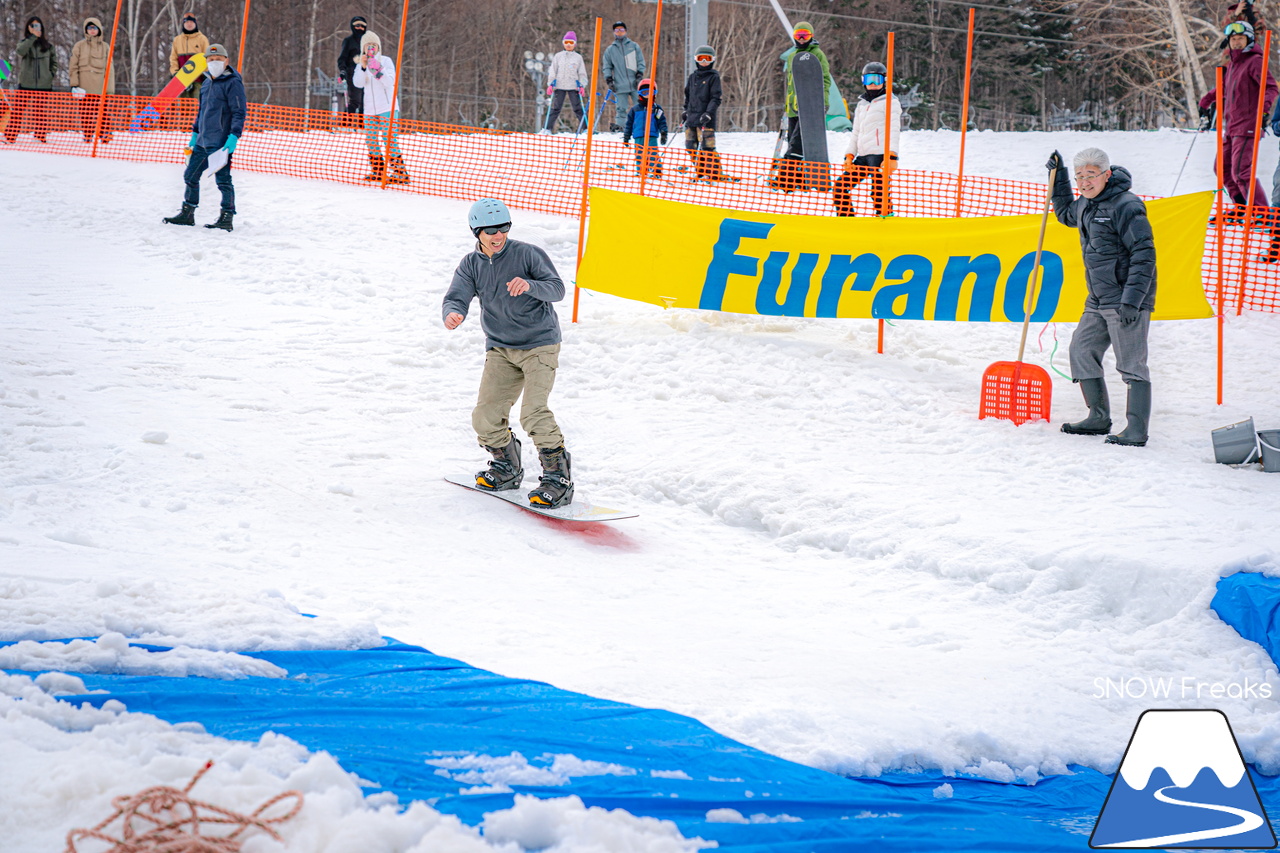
{"x": 1055, "y": 162}
{"x": 1129, "y": 315}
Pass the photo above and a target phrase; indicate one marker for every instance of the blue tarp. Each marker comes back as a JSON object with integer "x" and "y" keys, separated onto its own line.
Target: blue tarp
{"x": 1250, "y": 603}
{"x": 383, "y": 713}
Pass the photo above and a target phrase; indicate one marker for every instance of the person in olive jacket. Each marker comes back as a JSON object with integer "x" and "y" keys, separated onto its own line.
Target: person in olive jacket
{"x": 1120, "y": 273}
{"x": 88, "y": 70}
{"x": 702, "y": 96}
{"x": 39, "y": 67}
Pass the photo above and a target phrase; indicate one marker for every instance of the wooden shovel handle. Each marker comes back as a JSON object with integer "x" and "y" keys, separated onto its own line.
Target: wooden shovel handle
{"x": 1035, "y": 269}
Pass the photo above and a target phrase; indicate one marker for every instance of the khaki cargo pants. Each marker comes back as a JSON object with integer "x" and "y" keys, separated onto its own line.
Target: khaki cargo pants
{"x": 509, "y": 374}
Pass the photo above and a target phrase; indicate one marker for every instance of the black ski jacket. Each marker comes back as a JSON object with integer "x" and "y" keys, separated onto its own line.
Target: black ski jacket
{"x": 1115, "y": 236}
{"x": 702, "y": 97}
{"x": 350, "y": 50}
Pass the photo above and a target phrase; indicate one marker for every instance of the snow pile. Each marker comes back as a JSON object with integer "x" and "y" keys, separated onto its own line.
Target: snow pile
{"x": 111, "y": 653}
{"x": 487, "y": 774}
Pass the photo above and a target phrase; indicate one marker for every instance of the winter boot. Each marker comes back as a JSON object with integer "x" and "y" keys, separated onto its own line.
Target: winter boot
{"x": 506, "y": 470}
{"x": 399, "y": 174}
{"x": 224, "y": 221}
{"x": 185, "y": 217}
{"x": 555, "y": 487}
{"x": 1139, "y": 413}
{"x": 715, "y": 171}
{"x": 699, "y": 166}
{"x": 1099, "y": 420}
{"x": 377, "y": 168}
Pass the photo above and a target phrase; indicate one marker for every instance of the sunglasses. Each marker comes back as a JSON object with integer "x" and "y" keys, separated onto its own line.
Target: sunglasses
{"x": 702, "y": 57}
{"x": 1236, "y": 28}
{"x": 802, "y": 35}
{"x": 873, "y": 79}
{"x": 495, "y": 229}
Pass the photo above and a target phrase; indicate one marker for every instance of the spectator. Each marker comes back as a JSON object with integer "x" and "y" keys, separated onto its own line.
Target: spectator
{"x": 864, "y": 157}
{"x": 623, "y": 67}
{"x": 1240, "y": 105}
{"x": 347, "y": 58}
{"x": 1242, "y": 11}
{"x": 187, "y": 44}
{"x": 39, "y": 65}
{"x": 634, "y": 129}
{"x": 802, "y": 35}
{"x": 219, "y": 124}
{"x": 568, "y": 76}
{"x": 702, "y": 95}
{"x": 375, "y": 74}
{"x": 88, "y": 69}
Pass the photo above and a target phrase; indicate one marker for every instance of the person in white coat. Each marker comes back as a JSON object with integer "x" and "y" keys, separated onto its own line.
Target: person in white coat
{"x": 567, "y": 79}
{"x": 376, "y": 75}
{"x": 866, "y": 152}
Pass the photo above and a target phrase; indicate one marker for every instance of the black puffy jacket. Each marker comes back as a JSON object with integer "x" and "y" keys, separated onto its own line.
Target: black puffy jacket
{"x": 1115, "y": 236}
{"x": 350, "y": 49}
{"x": 702, "y": 97}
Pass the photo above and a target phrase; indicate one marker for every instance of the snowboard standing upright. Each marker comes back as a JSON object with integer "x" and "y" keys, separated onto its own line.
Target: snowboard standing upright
{"x": 150, "y": 114}
{"x": 806, "y": 71}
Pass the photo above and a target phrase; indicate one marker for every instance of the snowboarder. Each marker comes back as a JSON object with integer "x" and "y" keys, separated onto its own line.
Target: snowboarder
{"x": 568, "y": 76}
{"x": 865, "y": 154}
{"x": 39, "y": 67}
{"x": 516, "y": 284}
{"x": 702, "y": 96}
{"x": 623, "y": 68}
{"x": 1120, "y": 273}
{"x": 219, "y": 124}
{"x": 1241, "y": 82}
{"x": 791, "y": 176}
{"x": 187, "y": 44}
{"x": 375, "y": 74}
{"x": 634, "y": 129}
{"x": 347, "y": 56}
{"x": 87, "y": 70}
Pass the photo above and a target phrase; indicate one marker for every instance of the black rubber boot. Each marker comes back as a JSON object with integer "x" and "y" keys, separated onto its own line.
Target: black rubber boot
{"x": 1099, "y": 420}
{"x": 377, "y": 168}
{"x": 506, "y": 470}
{"x": 224, "y": 221}
{"x": 399, "y": 174}
{"x": 555, "y": 487}
{"x": 186, "y": 216}
{"x": 1139, "y": 413}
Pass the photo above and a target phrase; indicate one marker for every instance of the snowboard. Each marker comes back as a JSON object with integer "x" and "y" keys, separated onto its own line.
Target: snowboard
{"x": 580, "y": 509}
{"x": 806, "y": 70}
{"x": 149, "y": 116}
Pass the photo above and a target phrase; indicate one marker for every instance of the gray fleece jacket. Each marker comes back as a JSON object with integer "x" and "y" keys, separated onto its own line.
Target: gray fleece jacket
{"x": 516, "y": 322}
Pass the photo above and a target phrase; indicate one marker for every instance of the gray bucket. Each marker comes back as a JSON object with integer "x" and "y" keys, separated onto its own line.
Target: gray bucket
{"x": 1269, "y": 442}
{"x": 1235, "y": 444}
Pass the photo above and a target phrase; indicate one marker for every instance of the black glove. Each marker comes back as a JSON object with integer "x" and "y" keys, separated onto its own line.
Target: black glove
{"x": 1055, "y": 162}
{"x": 608, "y": 81}
{"x": 1129, "y": 315}
{"x": 706, "y": 120}
{"x": 639, "y": 77}
{"x": 663, "y": 138}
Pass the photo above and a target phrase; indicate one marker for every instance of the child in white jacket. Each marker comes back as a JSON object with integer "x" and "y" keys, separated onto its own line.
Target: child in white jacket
{"x": 865, "y": 155}
{"x": 376, "y": 75}
{"x": 567, "y": 77}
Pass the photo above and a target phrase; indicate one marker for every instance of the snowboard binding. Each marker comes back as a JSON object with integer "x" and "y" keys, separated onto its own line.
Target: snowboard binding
{"x": 555, "y": 487}
{"x": 505, "y": 471}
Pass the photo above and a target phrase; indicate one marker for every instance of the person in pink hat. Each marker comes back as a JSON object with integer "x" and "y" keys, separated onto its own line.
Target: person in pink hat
{"x": 567, "y": 78}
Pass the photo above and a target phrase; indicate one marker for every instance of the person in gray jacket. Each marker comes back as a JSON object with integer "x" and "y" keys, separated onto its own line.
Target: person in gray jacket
{"x": 623, "y": 68}
{"x": 1120, "y": 273}
{"x": 516, "y": 284}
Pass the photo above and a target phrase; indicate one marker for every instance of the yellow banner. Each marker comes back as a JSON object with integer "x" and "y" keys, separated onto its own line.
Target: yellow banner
{"x": 975, "y": 270}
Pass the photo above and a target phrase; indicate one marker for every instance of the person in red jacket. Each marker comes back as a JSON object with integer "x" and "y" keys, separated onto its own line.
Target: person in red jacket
{"x": 1240, "y": 107}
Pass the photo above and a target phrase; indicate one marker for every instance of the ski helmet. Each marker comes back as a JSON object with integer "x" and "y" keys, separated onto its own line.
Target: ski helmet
{"x": 874, "y": 74}
{"x": 802, "y": 33}
{"x": 1240, "y": 28}
{"x": 646, "y": 83}
{"x": 486, "y": 213}
{"x": 705, "y": 50}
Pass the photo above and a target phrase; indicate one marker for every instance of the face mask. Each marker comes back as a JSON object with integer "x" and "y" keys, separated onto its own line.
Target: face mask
{"x": 217, "y": 67}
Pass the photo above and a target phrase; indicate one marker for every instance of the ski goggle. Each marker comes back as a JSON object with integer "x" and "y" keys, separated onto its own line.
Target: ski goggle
{"x": 704, "y": 57}
{"x": 802, "y": 35}
{"x": 643, "y": 91}
{"x": 873, "y": 79}
{"x": 570, "y": 42}
{"x": 495, "y": 229}
{"x": 1238, "y": 28}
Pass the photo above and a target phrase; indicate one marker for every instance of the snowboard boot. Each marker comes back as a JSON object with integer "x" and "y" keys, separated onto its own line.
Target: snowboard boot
{"x": 505, "y": 471}
{"x": 377, "y": 168}
{"x": 224, "y": 221}
{"x": 555, "y": 487}
{"x": 1139, "y": 413}
{"x": 715, "y": 171}
{"x": 399, "y": 174}
{"x": 1099, "y": 420}
{"x": 187, "y": 216}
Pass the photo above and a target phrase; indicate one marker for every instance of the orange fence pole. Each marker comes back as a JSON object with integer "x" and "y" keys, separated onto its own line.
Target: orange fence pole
{"x": 1253, "y": 166}
{"x": 1218, "y": 223}
{"x": 244, "y": 34}
{"x": 653, "y": 96}
{"x": 395, "y": 93}
{"x": 964, "y": 113}
{"x": 586, "y": 166}
{"x": 106, "y": 79}
{"x": 884, "y": 166}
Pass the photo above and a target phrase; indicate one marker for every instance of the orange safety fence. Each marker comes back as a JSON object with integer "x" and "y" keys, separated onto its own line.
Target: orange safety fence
{"x": 544, "y": 173}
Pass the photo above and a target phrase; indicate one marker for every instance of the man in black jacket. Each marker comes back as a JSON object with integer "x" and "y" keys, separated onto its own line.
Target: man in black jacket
{"x": 346, "y": 64}
{"x": 702, "y": 95}
{"x": 1120, "y": 272}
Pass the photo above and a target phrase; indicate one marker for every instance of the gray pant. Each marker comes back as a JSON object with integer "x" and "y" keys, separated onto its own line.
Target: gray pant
{"x": 510, "y": 374}
{"x": 622, "y": 103}
{"x": 1100, "y": 328}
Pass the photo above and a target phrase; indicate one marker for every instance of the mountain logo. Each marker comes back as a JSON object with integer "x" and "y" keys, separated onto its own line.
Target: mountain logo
{"x": 1182, "y": 783}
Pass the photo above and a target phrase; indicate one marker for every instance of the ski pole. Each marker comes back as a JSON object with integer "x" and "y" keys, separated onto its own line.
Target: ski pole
{"x": 607, "y": 95}
{"x": 1194, "y": 137}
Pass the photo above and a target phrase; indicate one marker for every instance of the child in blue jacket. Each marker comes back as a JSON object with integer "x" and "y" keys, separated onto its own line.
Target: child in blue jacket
{"x": 633, "y": 129}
